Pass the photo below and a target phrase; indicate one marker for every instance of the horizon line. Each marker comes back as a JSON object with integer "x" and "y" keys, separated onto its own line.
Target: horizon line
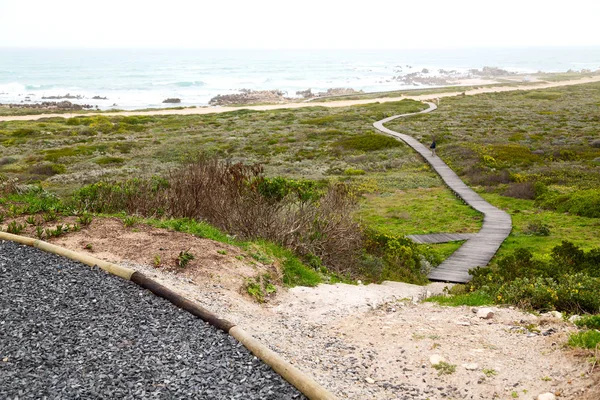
{"x": 467, "y": 47}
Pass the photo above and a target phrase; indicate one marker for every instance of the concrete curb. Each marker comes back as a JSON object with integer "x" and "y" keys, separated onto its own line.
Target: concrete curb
{"x": 305, "y": 384}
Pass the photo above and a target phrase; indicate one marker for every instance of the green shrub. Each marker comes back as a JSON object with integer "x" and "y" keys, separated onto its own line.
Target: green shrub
{"x": 535, "y": 293}
{"x": 23, "y": 132}
{"x": 260, "y": 287}
{"x": 368, "y": 142}
{"x": 589, "y": 321}
{"x": 85, "y": 219}
{"x": 474, "y": 299}
{"x": 567, "y": 280}
{"x": 543, "y": 95}
{"x": 277, "y": 188}
{"x": 109, "y": 160}
{"x": 587, "y": 339}
{"x": 390, "y": 257}
{"x": 513, "y": 154}
{"x": 352, "y": 172}
{"x": 320, "y": 121}
{"x": 445, "y": 368}
{"x": 585, "y": 203}
{"x": 184, "y": 258}
{"x": 15, "y": 228}
{"x": 578, "y": 292}
{"x": 537, "y": 229}
{"x": 47, "y": 169}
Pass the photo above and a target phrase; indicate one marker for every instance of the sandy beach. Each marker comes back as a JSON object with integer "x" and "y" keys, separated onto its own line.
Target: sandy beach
{"x": 340, "y": 103}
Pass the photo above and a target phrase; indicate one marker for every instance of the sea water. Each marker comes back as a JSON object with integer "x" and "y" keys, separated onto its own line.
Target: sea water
{"x": 142, "y": 78}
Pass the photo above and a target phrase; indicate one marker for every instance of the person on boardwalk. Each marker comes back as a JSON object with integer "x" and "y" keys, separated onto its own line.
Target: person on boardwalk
{"x": 432, "y": 147}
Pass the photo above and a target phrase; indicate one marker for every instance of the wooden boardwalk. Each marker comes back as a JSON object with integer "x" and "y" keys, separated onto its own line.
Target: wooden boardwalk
{"x": 478, "y": 250}
{"x": 440, "y": 237}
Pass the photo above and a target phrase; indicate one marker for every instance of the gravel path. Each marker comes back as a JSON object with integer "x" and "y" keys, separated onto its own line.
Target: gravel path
{"x": 69, "y": 331}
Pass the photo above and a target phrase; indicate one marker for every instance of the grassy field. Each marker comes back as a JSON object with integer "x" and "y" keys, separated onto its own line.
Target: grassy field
{"x": 510, "y": 146}
{"x": 16, "y": 111}
{"x": 502, "y": 144}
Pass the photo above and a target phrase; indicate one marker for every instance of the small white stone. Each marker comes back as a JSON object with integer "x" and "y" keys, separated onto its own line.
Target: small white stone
{"x": 485, "y": 313}
{"x": 370, "y": 380}
{"x": 463, "y": 323}
{"x": 556, "y": 314}
{"x": 359, "y": 282}
{"x": 471, "y": 367}
{"x": 574, "y": 318}
{"x": 546, "y": 396}
{"x": 436, "y": 359}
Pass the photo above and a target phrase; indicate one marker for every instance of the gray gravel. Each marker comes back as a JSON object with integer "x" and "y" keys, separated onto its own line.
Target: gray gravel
{"x": 69, "y": 331}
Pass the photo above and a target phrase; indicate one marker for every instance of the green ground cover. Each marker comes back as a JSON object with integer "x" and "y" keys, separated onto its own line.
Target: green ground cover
{"x": 531, "y": 153}
{"x": 535, "y": 154}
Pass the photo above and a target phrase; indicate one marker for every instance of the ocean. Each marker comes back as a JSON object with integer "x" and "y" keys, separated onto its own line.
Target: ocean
{"x": 143, "y": 78}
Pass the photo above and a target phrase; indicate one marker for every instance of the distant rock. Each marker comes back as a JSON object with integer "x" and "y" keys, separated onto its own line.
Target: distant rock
{"x": 417, "y": 78}
{"x": 248, "y": 96}
{"x": 52, "y": 105}
{"x": 471, "y": 367}
{"x": 485, "y": 313}
{"x": 66, "y": 96}
{"x": 491, "y": 71}
{"x": 173, "y": 100}
{"x": 307, "y": 94}
{"x": 99, "y": 98}
{"x": 370, "y": 380}
{"x": 339, "y": 92}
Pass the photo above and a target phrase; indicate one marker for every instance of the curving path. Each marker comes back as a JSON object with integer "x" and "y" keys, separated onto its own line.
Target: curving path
{"x": 477, "y": 250}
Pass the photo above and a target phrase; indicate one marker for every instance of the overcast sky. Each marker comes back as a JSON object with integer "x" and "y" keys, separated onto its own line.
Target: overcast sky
{"x": 306, "y": 24}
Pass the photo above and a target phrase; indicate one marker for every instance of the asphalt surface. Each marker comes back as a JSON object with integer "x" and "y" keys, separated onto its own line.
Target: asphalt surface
{"x": 70, "y": 331}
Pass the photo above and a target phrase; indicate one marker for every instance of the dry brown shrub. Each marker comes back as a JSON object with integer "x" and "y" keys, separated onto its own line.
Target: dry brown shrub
{"x": 8, "y": 185}
{"x": 523, "y": 190}
{"x": 480, "y": 177}
{"x": 233, "y": 198}
{"x": 228, "y": 196}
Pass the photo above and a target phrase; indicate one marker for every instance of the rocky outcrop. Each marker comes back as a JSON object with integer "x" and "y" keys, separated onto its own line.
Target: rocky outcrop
{"x": 173, "y": 100}
{"x": 417, "y": 78}
{"x": 446, "y": 77}
{"x": 339, "y": 92}
{"x": 491, "y": 71}
{"x": 52, "y": 105}
{"x": 248, "y": 96}
{"x": 307, "y": 94}
{"x": 66, "y": 96}
{"x": 99, "y": 98}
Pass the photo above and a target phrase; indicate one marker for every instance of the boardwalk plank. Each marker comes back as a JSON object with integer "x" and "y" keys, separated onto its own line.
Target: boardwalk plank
{"x": 440, "y": 237}
{"x": 479, "y": 249}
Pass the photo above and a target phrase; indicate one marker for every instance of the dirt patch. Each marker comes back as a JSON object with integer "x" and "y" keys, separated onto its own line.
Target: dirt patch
{"x": 360, "y": 342}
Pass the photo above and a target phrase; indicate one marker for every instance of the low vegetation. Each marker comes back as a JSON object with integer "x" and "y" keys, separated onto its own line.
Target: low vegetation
{"x": 534, "y": 154}
{"x": 567, "y": 280}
